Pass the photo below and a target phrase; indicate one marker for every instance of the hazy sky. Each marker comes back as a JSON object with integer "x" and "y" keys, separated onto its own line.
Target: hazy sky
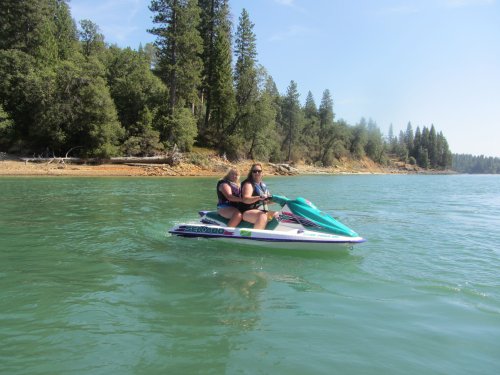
{"x": 394, "y": 61}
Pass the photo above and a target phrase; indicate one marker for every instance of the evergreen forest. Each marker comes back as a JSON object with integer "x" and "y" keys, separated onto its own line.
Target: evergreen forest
{"x": 63, "y": 90}
{"x": 475, "y": 164}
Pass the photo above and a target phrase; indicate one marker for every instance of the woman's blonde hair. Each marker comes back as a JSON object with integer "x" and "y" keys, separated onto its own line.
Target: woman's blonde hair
{"x": 229, "y": 172}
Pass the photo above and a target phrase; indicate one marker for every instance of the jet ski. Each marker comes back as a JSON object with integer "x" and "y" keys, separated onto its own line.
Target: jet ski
{"x": 299, "y": 224}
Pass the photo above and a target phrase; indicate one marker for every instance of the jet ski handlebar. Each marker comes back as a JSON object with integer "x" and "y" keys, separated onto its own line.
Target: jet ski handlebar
{"x": 279, "y": 199}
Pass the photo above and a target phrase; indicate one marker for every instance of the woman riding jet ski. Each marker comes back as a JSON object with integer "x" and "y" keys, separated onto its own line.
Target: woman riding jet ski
{"x": 298, "y": 224}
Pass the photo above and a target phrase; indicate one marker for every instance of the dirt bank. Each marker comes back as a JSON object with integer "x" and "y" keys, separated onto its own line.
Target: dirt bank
{"x": 206, "y": 166}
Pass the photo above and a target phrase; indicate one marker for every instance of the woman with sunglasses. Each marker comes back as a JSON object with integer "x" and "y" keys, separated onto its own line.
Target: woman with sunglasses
{"x": 253, "y": 186}
{"x": 229, "y": 197}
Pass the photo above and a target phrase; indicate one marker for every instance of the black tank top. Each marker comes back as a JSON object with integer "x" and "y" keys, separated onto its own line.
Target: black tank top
{"x": 235, "y": 190}
{"x": 259, "y": 190}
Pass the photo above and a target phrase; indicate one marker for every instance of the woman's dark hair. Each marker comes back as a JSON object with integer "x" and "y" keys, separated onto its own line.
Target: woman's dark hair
{"x": 249, "y": 176}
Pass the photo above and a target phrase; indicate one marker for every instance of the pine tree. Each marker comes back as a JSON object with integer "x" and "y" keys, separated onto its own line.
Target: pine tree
{"x": 245, "y": 76}
{"x": 41, "y": 28}
{"x": 207, "y": 32}
{"x": 21, "y": 24}
{"x": 326, "y": 114}
{"x": 409, "y": 138}
{"x": 424, "y": 142}
{"x": 271, "y": 88}
{"x": 92, "y": 41}
{"x": 246, "y": 57}
{"x": 310, "y": 109}
{"x": 417, "y": 143}
{"x": 179, "y": 48}
{"x": 259, "y": 128}
{"x": 65, "y": 30}
{"x": 390, "y": 134}
{"x": 392, "y": 140}
{"x": 433, "y": 148}
{"x": 401, "y": 149}
{"x": 359, "y": 140}
{"x": 311, "y": 134}
{"x": 422, "y": 157}
{"x": 375, "y": 147}
{"x": 326, "y": 133}
{"x": 218, "y": 78}
{"x": 444, "y": 153}
{"x": 291, "y": 120}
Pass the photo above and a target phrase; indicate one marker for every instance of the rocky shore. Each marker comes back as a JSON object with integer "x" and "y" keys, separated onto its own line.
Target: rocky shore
{"x": 193, "y": 164}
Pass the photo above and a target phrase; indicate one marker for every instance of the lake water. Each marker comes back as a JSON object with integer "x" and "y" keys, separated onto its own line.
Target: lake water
{"x": 90, "y": 283}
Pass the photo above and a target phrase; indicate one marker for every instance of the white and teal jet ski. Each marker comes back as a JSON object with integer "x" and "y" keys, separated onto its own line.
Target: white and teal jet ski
{"x": 298, "y": 225}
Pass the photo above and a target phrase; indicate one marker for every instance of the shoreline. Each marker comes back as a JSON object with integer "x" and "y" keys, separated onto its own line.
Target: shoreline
{"x": 213, "y": 167}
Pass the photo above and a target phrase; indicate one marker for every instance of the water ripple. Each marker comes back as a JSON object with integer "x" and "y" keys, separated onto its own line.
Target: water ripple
{"x": 89, "y": 271}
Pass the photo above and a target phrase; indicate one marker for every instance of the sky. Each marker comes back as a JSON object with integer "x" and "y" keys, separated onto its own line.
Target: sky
{"x": 424, "y": 62}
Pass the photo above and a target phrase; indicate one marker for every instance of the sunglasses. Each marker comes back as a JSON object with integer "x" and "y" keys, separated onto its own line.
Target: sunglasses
{"x": 257, "y": 171}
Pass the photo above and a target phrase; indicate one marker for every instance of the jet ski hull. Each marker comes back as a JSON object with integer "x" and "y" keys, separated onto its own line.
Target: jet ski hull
{"x": 282, "y": 239}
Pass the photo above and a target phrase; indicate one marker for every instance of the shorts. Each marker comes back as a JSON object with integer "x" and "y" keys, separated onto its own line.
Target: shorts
{"x": 224, "y": 205}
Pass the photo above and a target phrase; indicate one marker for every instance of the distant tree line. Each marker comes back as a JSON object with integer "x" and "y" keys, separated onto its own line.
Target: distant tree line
{"x": 475, "y": 164}
{"x": 424, "y": 148}
{"x": 63, "y": 88}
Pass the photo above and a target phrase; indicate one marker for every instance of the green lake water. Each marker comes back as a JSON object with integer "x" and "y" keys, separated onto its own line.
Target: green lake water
{"x": 91, "y": 283}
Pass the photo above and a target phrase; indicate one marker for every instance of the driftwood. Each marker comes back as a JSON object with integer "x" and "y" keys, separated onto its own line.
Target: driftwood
{"x": 164, "y": 159}
{"x": 61, "y": 160}
{"x": 58, "y": 160}
{"x": 171, "y": 158}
